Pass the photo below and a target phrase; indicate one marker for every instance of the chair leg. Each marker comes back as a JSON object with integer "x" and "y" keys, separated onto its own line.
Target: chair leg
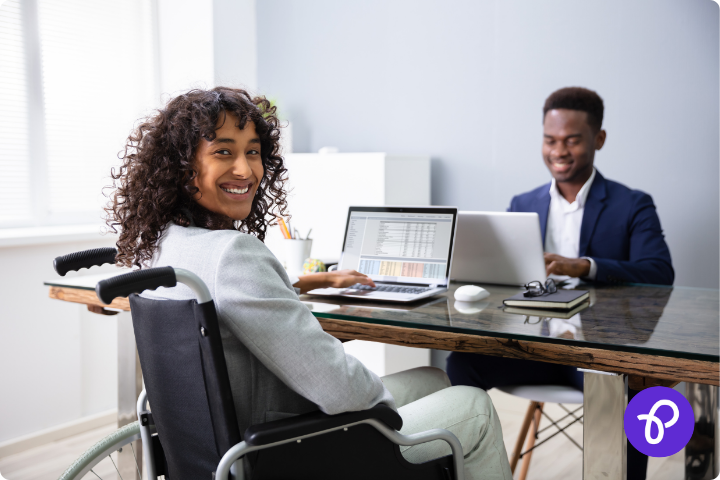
{"x": 521, "y": 436}
{"x": 531, "y": 441}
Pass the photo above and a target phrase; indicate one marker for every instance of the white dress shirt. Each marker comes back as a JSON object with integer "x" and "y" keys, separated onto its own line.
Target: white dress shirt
{"x": 562, "y": 234}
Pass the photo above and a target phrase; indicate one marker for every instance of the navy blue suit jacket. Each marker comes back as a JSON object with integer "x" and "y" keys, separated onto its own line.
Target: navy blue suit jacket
{"x": 620, "y": 231}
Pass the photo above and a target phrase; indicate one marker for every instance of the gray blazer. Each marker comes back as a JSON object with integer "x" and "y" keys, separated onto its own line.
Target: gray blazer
{"x": 279, "y": 359}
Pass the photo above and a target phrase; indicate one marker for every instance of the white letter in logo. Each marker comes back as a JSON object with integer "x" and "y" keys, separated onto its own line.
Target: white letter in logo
{"x": 650, "y": 418}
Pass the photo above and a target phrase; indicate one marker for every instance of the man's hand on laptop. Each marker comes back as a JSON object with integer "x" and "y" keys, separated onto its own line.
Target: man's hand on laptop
{"x": 573, "y": 267}
{"x": 337, "y": 279}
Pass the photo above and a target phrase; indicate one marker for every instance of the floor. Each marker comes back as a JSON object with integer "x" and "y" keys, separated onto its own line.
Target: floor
{"x": 558, "y": 459}
{"x": 49, "y": 461}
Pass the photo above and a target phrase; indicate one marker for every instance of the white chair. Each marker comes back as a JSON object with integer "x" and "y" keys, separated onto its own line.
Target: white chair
{"x": 538, "y": 396}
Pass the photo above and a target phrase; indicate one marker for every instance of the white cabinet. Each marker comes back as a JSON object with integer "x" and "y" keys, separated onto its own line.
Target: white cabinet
{"x": 321, "y": 188}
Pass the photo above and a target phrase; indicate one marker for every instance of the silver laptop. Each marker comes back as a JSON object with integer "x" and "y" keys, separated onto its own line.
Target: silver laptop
{"x": 407, "y": 251}
{"x": 498, "y": 247}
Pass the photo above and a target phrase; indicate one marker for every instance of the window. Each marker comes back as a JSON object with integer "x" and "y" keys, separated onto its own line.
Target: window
{"x": 76, "y": 76}
{"x": 15, "y": 205}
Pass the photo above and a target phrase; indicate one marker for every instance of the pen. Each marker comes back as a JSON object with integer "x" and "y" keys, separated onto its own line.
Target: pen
{"x": 308, "y": 235}
{"x": 283, "y": 229}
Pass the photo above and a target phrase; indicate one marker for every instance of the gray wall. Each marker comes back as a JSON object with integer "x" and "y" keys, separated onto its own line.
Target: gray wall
{"x": 235, "y": 43}
{"x": 464, "y": 81}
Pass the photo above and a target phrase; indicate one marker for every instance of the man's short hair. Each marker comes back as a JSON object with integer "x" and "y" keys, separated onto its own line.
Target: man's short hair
{"x": 577, "y": 98}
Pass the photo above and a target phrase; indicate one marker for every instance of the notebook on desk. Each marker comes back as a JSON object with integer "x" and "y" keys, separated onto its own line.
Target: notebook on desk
{"x": 562, "y": 300}
{"x": 407, "y": 251}
{"x": 547, "y": 313}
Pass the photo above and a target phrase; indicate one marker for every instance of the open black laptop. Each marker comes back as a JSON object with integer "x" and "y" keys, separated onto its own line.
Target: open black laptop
{"x": 407, "y": 251}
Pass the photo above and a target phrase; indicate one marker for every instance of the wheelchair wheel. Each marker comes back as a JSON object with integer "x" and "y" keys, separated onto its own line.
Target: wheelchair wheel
{"x": 104, "y": 450}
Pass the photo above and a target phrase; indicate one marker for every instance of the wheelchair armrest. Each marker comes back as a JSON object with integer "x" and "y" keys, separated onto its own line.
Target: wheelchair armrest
{"x": 270, "y": 432}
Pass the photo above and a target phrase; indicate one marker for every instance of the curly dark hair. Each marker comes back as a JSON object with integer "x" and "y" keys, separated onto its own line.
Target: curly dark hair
{"x": 154, "y": 184}
{"x": 577, "y": 98}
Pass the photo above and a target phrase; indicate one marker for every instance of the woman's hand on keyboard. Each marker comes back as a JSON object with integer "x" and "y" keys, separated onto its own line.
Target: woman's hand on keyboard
{"x": 345, "y": 278}
{"x": 337, "y": 279}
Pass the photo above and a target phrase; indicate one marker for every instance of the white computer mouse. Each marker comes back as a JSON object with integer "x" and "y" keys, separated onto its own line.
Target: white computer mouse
{"x": 470, "y": 293}
{"x": 470, "y": 308}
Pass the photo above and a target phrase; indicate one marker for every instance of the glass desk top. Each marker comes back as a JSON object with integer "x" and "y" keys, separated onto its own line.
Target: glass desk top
{"x": 679, "y": 322}
{"x": 669, "y": 321}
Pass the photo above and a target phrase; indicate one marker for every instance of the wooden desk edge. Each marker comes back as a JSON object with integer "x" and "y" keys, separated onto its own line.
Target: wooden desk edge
{"x": 633, "y": 364}
{"x": 86, "y": 297}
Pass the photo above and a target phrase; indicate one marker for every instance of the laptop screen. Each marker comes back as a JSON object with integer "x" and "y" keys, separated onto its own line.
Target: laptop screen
{"x": 404, "y": 245}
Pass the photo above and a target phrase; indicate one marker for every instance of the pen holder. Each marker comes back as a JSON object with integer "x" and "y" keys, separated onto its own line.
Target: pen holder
{"x": 296, "y": 251}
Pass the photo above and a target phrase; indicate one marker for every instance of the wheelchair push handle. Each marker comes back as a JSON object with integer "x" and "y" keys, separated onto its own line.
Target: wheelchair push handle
{"x": 85, "y": 259}
{"x": 135, "y": 282}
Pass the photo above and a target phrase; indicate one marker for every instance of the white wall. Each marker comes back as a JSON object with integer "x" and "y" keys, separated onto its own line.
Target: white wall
{"x": 203, "y": 43}
{"x": 465, "y": 82}
{"x": 185, "y": 45}
{"x": 235, "y": 43}
{"x": 59, "y": 361}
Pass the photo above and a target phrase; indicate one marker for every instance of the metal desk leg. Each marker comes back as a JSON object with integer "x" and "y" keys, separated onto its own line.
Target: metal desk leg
{"x": 129, "y": 388}
{"x": 701, "y": 453}
{"x": 604, "y": 441}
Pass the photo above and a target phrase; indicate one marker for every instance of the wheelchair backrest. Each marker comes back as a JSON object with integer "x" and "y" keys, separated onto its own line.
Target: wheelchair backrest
{"x": 187, "y": 383}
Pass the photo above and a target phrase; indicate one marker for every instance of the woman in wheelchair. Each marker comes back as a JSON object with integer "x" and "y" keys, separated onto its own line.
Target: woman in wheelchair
{"x": 200, "y": 182}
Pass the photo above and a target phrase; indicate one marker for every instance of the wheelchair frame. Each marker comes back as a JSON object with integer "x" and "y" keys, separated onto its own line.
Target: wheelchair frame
{"x": 230, "y": 465}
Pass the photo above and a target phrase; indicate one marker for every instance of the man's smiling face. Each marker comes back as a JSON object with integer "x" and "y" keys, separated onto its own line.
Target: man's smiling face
{"x": 569, "y": 145}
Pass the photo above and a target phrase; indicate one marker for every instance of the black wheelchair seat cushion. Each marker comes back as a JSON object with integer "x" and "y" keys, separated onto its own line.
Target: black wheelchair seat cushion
{"x": 359, "y": 452}
{"x": 271, "y": 432}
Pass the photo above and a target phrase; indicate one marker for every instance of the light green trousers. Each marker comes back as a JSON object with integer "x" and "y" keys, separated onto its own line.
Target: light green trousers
{"x": 425, "y": 400}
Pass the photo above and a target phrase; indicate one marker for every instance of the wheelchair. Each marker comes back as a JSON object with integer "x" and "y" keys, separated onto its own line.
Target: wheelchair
{"x": 187, "y": 419}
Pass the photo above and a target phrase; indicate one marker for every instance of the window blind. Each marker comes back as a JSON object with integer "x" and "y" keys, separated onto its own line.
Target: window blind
{"x": 98, "y": 79}
{"x": 15, "y": 200}
{"x": 95, "y": 60}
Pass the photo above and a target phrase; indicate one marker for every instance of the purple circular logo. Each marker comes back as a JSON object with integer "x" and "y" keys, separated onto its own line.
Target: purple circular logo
{"x": 659, "y": 421}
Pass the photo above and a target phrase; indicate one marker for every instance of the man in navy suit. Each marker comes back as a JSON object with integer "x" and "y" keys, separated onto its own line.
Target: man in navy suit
{"x": 592, "y": 228}
{"x": 620, "y": 239}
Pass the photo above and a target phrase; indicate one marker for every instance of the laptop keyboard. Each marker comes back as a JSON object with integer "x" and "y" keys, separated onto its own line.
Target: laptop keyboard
{"x": 389, "y": 288}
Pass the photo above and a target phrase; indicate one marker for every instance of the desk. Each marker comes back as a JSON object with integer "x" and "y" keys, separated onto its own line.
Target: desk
{"x": 644, "y": 335}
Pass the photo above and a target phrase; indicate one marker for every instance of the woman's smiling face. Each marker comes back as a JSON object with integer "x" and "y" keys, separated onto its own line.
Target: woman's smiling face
{"x": 229, "y": 169}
